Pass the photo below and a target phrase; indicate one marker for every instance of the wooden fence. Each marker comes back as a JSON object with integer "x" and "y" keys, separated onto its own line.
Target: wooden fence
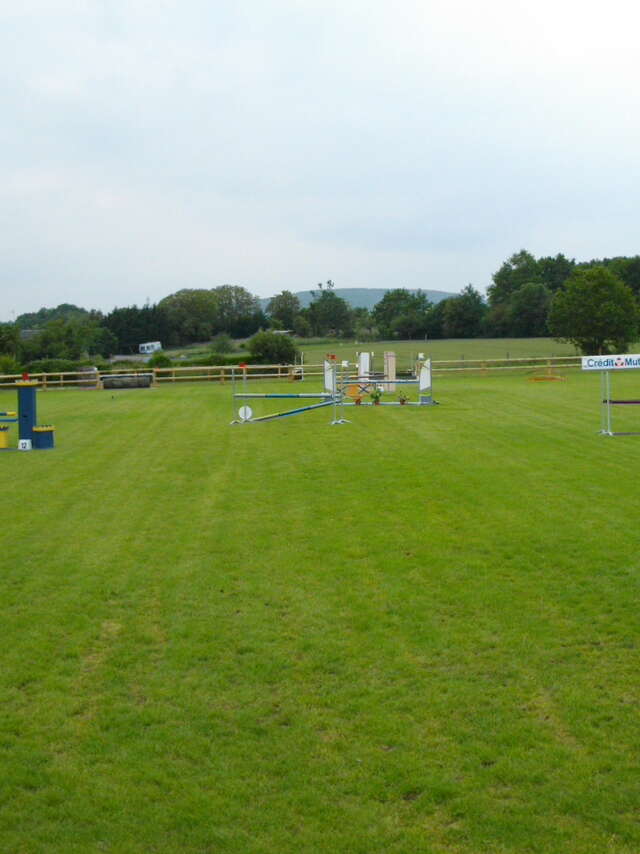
{"x": 223, "y": 373}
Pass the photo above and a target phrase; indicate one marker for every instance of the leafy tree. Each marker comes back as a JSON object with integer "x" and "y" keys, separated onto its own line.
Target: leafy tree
{"x": 329, "y": 313}
{"x": 9, "y": 339}
{"x": 402, "y": 313}
{"x": 9, "y": 365}
{"x": 463, "y": 314}
{"x": 192, "y": 315}
{"x": 497, "y": 320}
{"x": 435, "y": 319}
{"x": 520, "y": 269}
{"x": 221, "y": 343}
{"x": 132, "y": 326}
{"x": 159, "y": 360}
{"x": 512, "y": 313}
{"x": 195, "y": 314}
{"x": 284, "y": 308}
{"x": 237, "y": 311}
{"x": 595, "y": 311}
{"x": 39, "y": 319}
{"x": 272, "y": 348}
{"x": 70, "y": 339}
{"x": 528, "y": 308}
{"x": 100, "y": 341}
{"x": 554, "y": 272}
{"x": 58, "y": 340}
{"x": 625, "y": 268}
{"x": 301, "y": 326}
{"x": 628, "y": 269}
{"x": 409, "y": 324}
{"x": 365, "y": 328}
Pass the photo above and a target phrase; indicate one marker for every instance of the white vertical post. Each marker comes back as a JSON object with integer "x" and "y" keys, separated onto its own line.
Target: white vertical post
{"x": 338, "y": 395}
{"x": 424, "y": 376}
{"x": 328, "y": 376}
{"x": 364, "y": 365}
{"x": 233, "y": 394}
{"x": 425, "y": 387}
{"x": 390, "y": 370}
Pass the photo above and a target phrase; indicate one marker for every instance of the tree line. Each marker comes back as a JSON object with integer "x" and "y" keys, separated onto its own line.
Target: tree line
{"x": 593, "y": 304}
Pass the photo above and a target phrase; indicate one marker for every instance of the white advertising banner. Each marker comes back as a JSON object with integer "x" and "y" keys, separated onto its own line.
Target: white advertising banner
{"x": 625, "y": 362}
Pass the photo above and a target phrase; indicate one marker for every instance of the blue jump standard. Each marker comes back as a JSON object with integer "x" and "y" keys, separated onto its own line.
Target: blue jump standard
{"x": 26, "y": 410}
{"x": 39, "y": 437}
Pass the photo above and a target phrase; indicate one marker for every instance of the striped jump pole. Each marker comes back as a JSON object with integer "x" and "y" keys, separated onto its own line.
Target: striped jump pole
{"x": 274, "y": 396}
{"x": 298, "y": 411}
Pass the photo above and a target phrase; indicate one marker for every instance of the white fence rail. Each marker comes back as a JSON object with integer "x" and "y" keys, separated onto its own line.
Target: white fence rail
{"x": 223, "y": 373}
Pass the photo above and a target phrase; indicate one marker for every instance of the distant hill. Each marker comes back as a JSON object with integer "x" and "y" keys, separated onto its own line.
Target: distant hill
{"x": 362, "y": 297}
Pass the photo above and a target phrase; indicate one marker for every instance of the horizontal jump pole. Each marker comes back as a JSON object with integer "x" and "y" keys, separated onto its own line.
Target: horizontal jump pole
{"x": 301, "y": 409}
{"x": 365, "y": 381}
{"x": 324, "y": 394}
{"x": 382, "y": 403}
{"x": 622, "y": 402}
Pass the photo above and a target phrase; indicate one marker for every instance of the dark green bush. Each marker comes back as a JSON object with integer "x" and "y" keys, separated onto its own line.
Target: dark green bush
{"x": 269, "y": 348}
{"x": 222, "y": 343}
{"x": 9, "y": 365}
{"x": 159, "y": 360}
{"x": 212, "y": 359}
{"x": 52, "y": 366}
{"x": 126, "y": 364}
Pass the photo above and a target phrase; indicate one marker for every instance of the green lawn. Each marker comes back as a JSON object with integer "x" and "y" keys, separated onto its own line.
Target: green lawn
{"x": 417, "y": 632}
{"x": 452, "y": 348}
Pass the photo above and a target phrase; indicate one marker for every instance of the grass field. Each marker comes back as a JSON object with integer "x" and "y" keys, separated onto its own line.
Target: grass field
{"x": 414, "y": 633}
{"x": 451, "y": 348}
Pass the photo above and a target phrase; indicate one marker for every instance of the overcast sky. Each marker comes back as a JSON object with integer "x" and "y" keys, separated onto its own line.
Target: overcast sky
{"x": 152, "y": 146}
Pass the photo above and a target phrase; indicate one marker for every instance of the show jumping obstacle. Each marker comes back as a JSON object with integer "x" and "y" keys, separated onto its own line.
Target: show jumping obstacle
{"x": 607, "y": 365}
{"x": 243, "y": 414}
{"x": 341, "y": 389}
{"x": 366, "y": 381}
{"x": 30, "y": 435}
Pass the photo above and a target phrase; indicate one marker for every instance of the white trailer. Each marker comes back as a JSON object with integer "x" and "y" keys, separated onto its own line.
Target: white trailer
{"x": 149, "y": 347}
